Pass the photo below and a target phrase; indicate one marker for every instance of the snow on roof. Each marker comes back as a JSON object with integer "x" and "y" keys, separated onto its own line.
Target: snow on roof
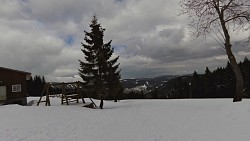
{"x": 14, "y": 70}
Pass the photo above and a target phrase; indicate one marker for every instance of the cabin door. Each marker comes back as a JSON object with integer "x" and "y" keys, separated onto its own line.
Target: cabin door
{"x": 3, "y": 95}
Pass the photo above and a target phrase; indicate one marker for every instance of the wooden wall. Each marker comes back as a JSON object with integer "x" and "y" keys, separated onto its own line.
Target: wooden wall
{"x": 11, "y": 77}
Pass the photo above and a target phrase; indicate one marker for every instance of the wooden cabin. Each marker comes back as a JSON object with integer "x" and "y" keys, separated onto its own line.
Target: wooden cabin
{"x": 13, "y": 86}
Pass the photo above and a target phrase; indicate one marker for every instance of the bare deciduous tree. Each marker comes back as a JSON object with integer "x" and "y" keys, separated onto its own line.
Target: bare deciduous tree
{"x": 222, "y": 16}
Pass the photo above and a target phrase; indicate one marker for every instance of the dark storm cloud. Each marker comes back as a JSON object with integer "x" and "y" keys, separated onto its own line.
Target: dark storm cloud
{"x": 44, "y": 37}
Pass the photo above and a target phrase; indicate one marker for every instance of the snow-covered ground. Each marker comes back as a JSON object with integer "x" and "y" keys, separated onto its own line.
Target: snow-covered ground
{"x": 129, "y": 120}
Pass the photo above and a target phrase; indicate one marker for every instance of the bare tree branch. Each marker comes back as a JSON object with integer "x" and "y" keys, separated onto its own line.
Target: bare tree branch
{"x": 207, "y": 15}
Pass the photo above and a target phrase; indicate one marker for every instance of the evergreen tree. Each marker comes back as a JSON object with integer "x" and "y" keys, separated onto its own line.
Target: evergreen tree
{"x": 229, "y": 82}
{"x": 207, "y": 81}
{"x": 197, "y": 86}
{"x": 30, "y": 86}
{"x": 36, "y": 85}
{"x": 245, "y": 67}
{"x": 113, "y": 80}
{"x": 99, "y": 70}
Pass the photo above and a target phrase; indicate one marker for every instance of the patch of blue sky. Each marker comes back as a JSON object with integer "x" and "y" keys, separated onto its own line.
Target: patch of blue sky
{"x": 26, "y": 9}
{"x": 118, "y": 1}
{"x": 39, "y": 24}
{"x": 69, "y": 40}
{"x": 120, "y": 48}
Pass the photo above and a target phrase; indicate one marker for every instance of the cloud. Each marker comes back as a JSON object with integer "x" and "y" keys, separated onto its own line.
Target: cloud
{"x": 44, "y": 37}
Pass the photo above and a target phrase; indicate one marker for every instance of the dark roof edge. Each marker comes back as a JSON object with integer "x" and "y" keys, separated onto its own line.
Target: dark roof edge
{"x": 15, "y": 70}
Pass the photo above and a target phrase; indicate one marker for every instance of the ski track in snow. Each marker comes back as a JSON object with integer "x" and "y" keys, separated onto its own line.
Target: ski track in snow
{"x": 129, "y": 120}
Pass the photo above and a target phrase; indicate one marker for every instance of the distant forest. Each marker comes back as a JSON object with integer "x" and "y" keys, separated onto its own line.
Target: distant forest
{"x": 35, "y": 85}
{"x": 217, "y": 84}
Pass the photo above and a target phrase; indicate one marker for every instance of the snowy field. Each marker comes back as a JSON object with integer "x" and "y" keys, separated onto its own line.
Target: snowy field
{"x": 129, "y": 120}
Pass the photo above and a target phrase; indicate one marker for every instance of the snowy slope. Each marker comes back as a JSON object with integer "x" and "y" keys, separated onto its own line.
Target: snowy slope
{"x": 130, "y": 120}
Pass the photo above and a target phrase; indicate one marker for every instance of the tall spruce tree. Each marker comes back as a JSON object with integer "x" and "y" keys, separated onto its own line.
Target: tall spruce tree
{"x": 99, "y": 70}
{"x": 36, "y": 85}
{"x": 208, "y": 81}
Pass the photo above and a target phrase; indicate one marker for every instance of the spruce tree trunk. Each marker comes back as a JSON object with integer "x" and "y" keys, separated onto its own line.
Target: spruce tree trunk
{"x": 101, "y": 103}
{"x": 237, "y": 72}
{"x": 116, "y": 98}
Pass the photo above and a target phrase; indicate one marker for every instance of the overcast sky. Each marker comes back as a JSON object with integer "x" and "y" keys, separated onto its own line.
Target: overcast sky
{"x": 44, "y": 37}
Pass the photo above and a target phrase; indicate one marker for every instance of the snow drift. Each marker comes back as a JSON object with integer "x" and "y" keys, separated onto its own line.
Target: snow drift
{"x": 129, "y": 120}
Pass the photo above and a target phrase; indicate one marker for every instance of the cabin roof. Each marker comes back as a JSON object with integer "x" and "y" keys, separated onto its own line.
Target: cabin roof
{"x": 27, "y": 73}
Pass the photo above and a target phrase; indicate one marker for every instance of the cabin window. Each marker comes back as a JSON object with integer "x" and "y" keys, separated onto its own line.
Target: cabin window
{"x": 16, "y": 88}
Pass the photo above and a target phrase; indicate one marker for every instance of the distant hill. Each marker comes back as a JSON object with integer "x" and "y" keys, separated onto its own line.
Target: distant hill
{"x": 172, "y": 88}
{"x": 147, "y": 84}
{"x": 219, "y": 83}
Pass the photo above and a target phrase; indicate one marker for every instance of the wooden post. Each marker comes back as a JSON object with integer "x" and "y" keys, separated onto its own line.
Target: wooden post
{"x": 62, "y": 95}
{"x": 79, "y": 92}
{"x": 44, "y": 90}
{"x": 67, "y": 100}
{"x": 93, "y": 102}
{"x": 47, "y": 103}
